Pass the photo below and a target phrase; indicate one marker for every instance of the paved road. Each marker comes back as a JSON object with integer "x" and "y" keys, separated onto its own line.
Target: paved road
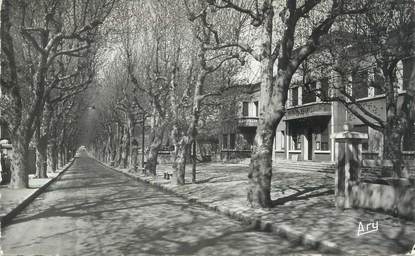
{"x": 93, "y": 210}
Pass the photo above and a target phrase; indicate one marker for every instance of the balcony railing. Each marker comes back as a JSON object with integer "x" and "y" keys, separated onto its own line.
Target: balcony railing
{"x": 247, "y": 121}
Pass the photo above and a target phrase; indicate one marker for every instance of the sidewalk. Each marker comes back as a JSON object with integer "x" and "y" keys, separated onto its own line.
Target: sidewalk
{"x": 12, "y": 201}
{"x": 304, "y": 209}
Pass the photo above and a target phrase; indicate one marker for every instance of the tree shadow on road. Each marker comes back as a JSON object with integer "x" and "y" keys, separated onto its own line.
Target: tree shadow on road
{"x": 303, "y": 194}
{"x": 112, "y": 215}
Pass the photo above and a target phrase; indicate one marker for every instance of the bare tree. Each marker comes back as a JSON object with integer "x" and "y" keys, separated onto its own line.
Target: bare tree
{"x": 288, "y": 33}
{"x": 373, "y": 45}
{"x": 48, "y": 30}
{"x": 184, "y": 132}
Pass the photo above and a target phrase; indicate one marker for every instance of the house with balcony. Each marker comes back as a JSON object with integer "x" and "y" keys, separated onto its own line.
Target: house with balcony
{"x": 305, "y": 132}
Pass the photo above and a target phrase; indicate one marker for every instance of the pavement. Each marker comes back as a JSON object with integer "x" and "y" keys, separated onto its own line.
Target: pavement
{"x": 93, "y": 210}
{"x": 304, "y": 209}
{"x": 14, "y": 200}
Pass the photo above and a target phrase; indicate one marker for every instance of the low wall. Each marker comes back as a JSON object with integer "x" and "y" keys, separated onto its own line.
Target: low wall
{"x": 383, "y": 168}
{"x": 234, "y": 155}
{"x": 394, "y": 198}
{"x": 322, "y": 156}
{"x": 165, "y": 157}
{"x": 280, "y": 155}
{"x": 406, "y": 155}
{"x": 377, "y": 190}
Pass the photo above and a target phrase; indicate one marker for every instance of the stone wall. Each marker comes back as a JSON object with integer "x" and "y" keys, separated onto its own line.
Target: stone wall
{"x": 395, "y": 198}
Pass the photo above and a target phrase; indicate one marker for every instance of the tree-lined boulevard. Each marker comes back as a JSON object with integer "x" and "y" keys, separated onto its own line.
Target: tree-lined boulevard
{"x": 295, "y": 115}
{"x": 93, "y": 210}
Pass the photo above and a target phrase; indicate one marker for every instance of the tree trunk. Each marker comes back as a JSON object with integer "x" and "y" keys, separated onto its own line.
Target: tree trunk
{"x": 395, "y": 126}
{"x": 134, "y": 157}
{"x": 41, "y": 150}
{"x": 19, "y": 161}
{"x": 54, "y": 156}
{"x": 65, "y": 154}
{"x": 156, "y": 139}
{"x": 194, "y": 162}
{"x": 180, "y": 165}
{"x": 260, "y": 174}
{"x": 130, "y": 139}
{"x": 392, "y": 148}
{"x": 62, "y": 155}
{"x": 126, "y": 142}
{"x": 18, "y": 168}
{"x": 60, "y": 158}
{"x": 180, "y": 154}
{"x": 113, "y": 155}
{"x": 119, "y": 146}
{"x": 123, "y": 160}
{"x": 273, "y": 96}
{"x": 151, "y": 163}
{"x": 41, "y": 158}
{"x": 152, "y": 155}
{"x": 192, "y": 131}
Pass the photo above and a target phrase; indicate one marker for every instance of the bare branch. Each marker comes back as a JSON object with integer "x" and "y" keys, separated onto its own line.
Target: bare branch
{"x": 228, "y": 4}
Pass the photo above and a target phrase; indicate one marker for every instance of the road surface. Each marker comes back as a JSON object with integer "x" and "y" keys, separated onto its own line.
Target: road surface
{"x": 94, "y": 210}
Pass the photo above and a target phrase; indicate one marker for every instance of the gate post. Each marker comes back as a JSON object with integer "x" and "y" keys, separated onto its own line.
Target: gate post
{"x": 348, "y": 159}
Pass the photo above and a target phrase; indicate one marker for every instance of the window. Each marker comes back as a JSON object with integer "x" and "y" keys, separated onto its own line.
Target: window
{"x": 408, "y": 141}
{"x": 324, "y": 87}
{"x": 296, "y": 139}
{"x": 309, "y": 95}
{"x": 279, "y": 141}
{"x": 407, "y": 71}
{"x": 363, "y": 129}
{"x": 378, "y": 83}
{"x": 360, "y": 84}
{"x": 232, "y": 141}
{"x": 4, "y": 132}
{"x": 225, "y": 141}
{"x": 256, "y": 104}
{"x": 297, "y": 142}
{"x": 245, "y": 109}
{"x": 324, "y": 138}
{"x": 294, "y": 96}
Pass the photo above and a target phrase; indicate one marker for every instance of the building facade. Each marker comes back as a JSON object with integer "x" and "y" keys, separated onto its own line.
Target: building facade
{"x": 305, "y": 133}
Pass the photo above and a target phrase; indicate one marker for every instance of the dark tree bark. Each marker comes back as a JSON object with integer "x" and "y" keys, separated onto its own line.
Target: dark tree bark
{"x": 126, "y": 146}
{"x": 19, "y": 160}
{"x": 20, "y": 145}
{"x": 260, "y": 174}
{"x": 194, "y": 163}
{"x": 41, "y": 157}
{"x": 153, "y": 149}
{"x": 54, "y": 155}
{"x": 184, "y": 141}
{"x": 180, "y": 154}
{"x": 42, "y": 141}
{"x": 396, "y": 122}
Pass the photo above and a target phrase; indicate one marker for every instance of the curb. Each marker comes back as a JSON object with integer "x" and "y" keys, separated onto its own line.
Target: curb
{"x": 256, "y": 223}
{"x": 5, "y": 219}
